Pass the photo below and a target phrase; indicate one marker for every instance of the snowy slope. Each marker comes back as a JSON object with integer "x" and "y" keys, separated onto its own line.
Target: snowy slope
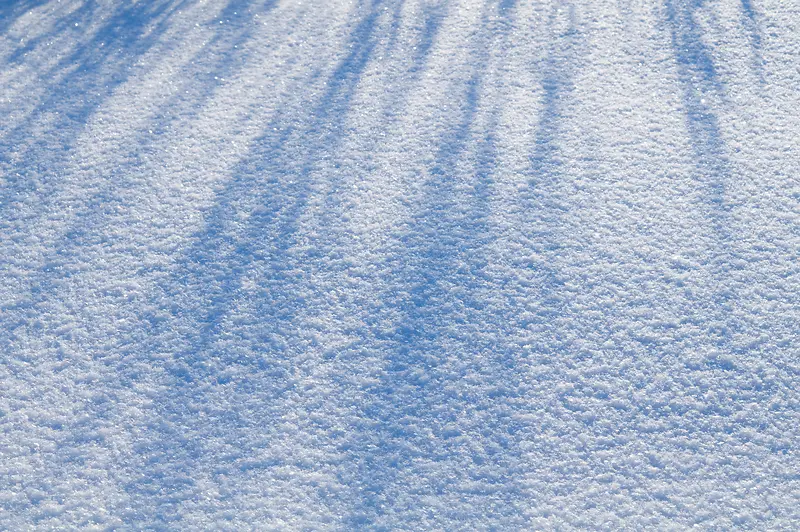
{"x": 399, "y": 264}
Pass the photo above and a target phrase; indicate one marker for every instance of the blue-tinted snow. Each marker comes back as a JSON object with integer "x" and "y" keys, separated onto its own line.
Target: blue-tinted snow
{"x": 399, "y": 264}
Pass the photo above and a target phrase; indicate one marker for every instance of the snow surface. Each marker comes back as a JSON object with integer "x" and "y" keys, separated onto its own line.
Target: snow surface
{"x": 399, "y": 264}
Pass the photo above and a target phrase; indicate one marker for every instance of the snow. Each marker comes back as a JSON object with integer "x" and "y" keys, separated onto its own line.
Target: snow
{"x": 418, "y": 264}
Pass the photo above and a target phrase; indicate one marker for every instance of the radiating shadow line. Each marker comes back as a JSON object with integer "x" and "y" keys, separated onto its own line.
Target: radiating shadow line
{"x": 19, "y": 183}
{"x": 409, "y": 413}
{"x": 433, "y": 16}
{"x": 415, "y": 358}
{"x": 43, "y": 285}
{"x": 59, "y": 264}
{"x": 751, "y": 24}
{"x": 321, "y": 131}
{"x": 701, "y": 86}
{"x": 542, "y": 197}
{"x": 95, "y": 68}
{"x": 547, "y": 210}
{"x": 273, "y": 184}
{"x": 702, "y": 89}
{"x": 12, "y": 10}
{"x": 224, "y": 48}
{"x": 93, "y": 218}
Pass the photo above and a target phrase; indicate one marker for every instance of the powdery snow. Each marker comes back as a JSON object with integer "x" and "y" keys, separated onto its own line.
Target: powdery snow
{"x": 399, "y": 264}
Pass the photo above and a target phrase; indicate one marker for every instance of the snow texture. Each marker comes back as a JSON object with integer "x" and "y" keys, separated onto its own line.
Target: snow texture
{"x": 400, "y": 264}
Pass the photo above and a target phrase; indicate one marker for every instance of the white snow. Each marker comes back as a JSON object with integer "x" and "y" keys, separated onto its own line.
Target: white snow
{"x": 399, "y": 265}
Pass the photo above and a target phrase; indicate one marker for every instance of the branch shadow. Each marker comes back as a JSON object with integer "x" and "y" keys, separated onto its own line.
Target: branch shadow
{"x": 554, "y": 324}
{"x": 434, "y": 328}
{"x": 34, "y": 153}
{"x": 701, "y": 86}
{"x": 276, "y": 179}
{"x": 94, "y": 217}
{"x": 752, "y": 25}
{"x": 11, "y": 11}
{"x": 252, "y": 233}
{"x": 543, "y": 197}
{"x": 68, "y": 254}
{"x": 702, "y": 89}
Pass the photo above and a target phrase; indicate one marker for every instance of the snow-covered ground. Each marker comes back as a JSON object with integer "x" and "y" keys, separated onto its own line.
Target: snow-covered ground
{"x": 458, "y": 265}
